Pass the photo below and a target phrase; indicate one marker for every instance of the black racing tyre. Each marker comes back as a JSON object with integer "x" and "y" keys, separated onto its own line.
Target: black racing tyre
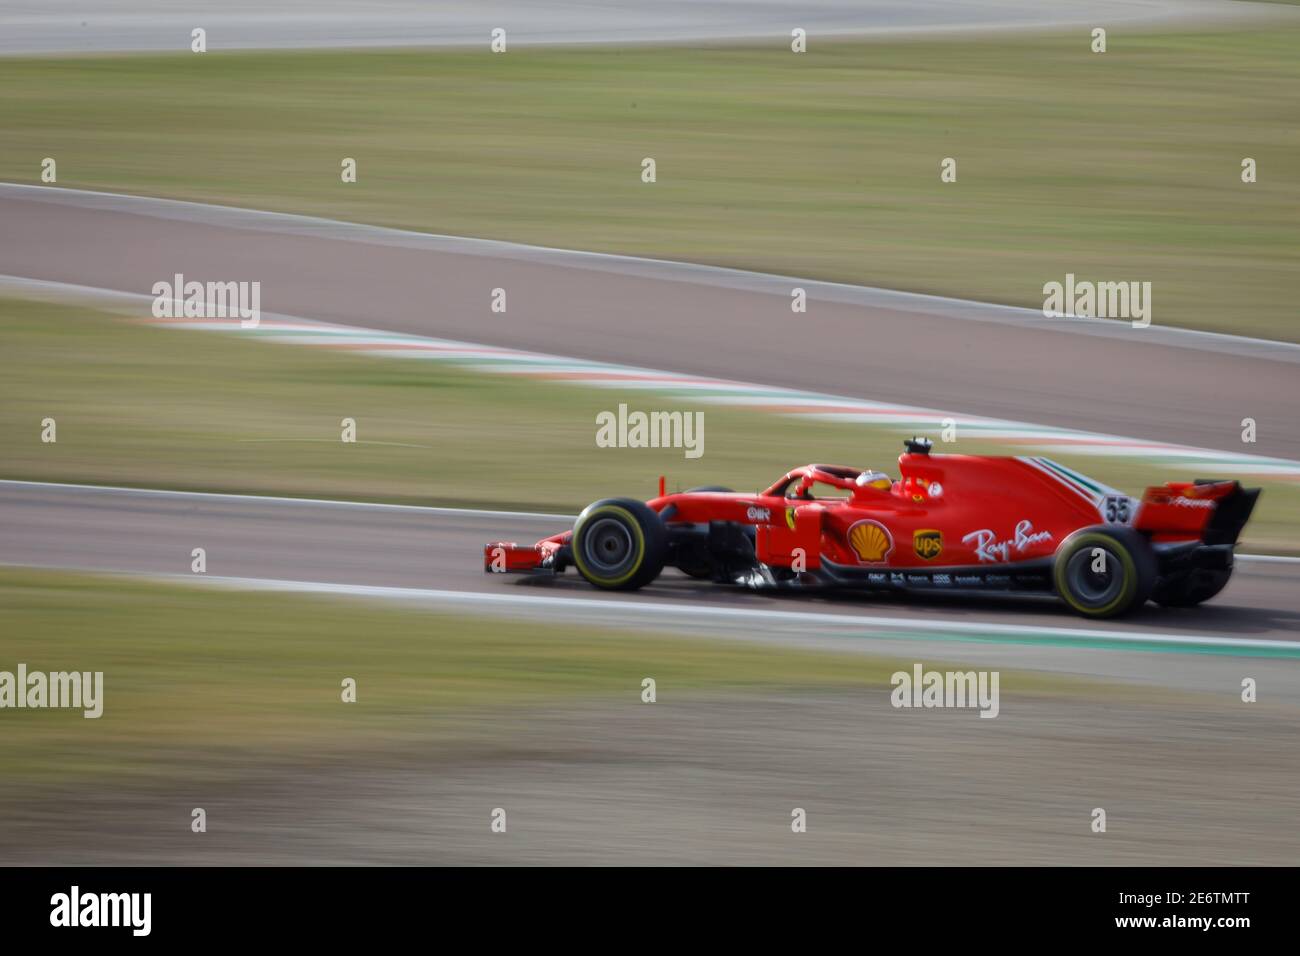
{"x": 619, "y": 544}
{"x": 1190, "y": 588}
{"x": 1104, "y": 571}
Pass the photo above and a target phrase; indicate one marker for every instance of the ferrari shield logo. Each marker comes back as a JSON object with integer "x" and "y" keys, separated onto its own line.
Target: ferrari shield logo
{"x": 928, "y": 543}
{"x": 789, "y": 518}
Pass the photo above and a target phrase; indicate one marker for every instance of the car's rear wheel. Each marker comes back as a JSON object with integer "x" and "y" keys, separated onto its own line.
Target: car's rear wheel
{"x": 619, "y": 544}
{"x": 1190, "y": 588}
{"x": 1103, "y": 572}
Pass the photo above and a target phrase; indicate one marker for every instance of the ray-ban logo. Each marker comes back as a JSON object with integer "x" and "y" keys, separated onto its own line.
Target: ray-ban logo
{"x": 178, "y": 299}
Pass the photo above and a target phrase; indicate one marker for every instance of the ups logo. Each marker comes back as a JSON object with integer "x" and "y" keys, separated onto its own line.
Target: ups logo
{"x": 928, "y": 543}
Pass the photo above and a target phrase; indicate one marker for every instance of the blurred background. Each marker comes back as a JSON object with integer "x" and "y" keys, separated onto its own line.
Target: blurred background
{"x": 223, "y": 687}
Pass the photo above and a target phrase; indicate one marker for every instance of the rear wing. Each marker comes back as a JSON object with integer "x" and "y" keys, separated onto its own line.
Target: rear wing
{"x": 1213, "y": 511}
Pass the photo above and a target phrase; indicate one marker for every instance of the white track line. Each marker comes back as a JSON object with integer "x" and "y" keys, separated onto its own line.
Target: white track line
{"x": 326, "y": 502}
{"x": 908, "y": 624}
{"x": 381, "y": 506}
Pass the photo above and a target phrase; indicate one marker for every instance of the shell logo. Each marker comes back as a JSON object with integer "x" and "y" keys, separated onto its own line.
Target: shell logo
{"x": 871, "y": 541}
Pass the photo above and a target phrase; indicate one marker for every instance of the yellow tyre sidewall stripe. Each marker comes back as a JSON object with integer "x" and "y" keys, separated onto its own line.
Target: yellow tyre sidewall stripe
{"x": 1114, "y": 547}
{"x": 636, "y": 530}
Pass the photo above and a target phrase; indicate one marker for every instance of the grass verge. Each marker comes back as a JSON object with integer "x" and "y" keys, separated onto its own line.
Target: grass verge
{"x": 207, "y": 679}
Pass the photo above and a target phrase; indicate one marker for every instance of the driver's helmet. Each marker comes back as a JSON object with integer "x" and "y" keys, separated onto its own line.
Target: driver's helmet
{"x": 874, "y": 479}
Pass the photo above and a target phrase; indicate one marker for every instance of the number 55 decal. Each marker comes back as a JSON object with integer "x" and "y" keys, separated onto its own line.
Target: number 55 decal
{"x": 1118, "y": 509}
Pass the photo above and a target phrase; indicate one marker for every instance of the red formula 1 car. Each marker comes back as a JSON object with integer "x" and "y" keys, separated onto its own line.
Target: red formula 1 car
{"x": 951, "y": 523}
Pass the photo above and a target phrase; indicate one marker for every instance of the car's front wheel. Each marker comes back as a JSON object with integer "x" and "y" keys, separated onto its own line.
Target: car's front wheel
{"x": 619, "y": 544}
{"x": 1103, "y": 572}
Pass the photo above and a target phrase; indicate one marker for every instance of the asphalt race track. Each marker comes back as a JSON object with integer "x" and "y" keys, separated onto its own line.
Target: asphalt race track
{"x": 378, "y": 546}
{"x": 917, "y": 350}
{"x": 47, "y": 26}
